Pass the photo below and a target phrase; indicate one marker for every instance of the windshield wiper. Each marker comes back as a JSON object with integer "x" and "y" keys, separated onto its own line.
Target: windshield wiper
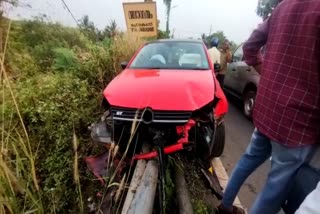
{"x": 196, "y": 68}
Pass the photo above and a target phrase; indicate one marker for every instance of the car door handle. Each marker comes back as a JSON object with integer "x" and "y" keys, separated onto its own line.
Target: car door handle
{"x": 233, "y": 69}
{"x": 248, "y": 69}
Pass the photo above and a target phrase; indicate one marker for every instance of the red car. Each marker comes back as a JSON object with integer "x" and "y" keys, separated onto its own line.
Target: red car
{"x": 169, "y": 94}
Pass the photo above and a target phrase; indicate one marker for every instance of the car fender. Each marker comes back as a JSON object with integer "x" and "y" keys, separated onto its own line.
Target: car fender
{"x": 252, "y": 82}
{"x": 222, "y": 104}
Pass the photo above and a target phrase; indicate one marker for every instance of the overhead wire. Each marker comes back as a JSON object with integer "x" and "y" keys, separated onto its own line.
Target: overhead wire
{"x": 73, "y": 17}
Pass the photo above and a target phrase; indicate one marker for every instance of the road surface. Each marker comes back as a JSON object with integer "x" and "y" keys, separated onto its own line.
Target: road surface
{"x": 238, "y": 134}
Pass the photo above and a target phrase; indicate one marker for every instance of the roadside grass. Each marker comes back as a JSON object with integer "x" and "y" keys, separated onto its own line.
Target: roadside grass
{"x": 41, "y": 167}
{"x": 18, "y": 180}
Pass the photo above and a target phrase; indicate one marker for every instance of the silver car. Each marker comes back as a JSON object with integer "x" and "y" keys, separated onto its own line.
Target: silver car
{"x": 242, "y": 81}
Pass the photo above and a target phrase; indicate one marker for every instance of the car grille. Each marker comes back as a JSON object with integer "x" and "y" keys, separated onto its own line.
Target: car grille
{"x": 150, "y": 116}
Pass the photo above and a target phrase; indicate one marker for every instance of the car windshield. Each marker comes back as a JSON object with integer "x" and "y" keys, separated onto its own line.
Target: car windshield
{"x": 172, "y": 55}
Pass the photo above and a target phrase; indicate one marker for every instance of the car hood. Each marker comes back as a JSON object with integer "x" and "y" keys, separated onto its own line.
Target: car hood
{"x": 184, "y": 90}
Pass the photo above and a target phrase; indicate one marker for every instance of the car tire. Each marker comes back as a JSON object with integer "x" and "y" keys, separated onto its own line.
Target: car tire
{"x": 249, "y": 98}
{"x": 218, "y": 141}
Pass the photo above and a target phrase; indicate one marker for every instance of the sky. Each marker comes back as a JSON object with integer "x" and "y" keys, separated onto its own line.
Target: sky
{"x": 189, "y": 18}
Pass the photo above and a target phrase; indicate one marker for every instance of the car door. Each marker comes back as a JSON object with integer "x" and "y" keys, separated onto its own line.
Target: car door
{"x": 236, "y": 75}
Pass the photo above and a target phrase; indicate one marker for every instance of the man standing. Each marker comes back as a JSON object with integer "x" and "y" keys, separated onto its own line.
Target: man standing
{"x": 213, "y": 52}
{"x": 287, "y": 108}
{"x": 225, "y": 58}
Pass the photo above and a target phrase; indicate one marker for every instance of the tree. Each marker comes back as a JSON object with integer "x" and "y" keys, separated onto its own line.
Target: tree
{"x": 88, "y": 28}
{"x": 207, "y": 38}
{"x": 111, "y": 30}
{"x": 168, "y": 11}
{"x": 220, "y": 35}
{"x": 265, "y": 7}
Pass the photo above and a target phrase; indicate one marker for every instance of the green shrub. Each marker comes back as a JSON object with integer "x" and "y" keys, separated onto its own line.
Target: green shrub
{"x": 40, "y": 39}
{"x": 52, "y": 106}
{"x": 64, "y": 59}
{"x": 95, "y": 66}
{"x": 57, "y": 76}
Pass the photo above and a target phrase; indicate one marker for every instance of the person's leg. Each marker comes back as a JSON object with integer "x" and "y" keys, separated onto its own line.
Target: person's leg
{"x": 220, "y": 78}
{"x": 257, "y": 152}
{"x": 284, "y": 164}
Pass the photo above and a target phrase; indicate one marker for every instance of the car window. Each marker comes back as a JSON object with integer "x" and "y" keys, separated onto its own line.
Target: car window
{"x": 172, "y": 55}
{"x": 238, "y": 54}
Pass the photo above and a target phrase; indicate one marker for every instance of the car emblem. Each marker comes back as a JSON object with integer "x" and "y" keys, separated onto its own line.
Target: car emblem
{"x": 147, "y": 116}
{"x": 119, "y": 113}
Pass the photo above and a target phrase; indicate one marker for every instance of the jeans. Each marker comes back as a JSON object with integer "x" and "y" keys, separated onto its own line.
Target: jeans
{"x": 284, "y": 164}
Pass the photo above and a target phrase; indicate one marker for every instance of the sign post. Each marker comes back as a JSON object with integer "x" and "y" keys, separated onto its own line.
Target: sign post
{"x": 141, "y": 18}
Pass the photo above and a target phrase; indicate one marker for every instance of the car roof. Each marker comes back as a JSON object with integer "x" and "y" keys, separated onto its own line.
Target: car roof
{"x": 176, "y": 40}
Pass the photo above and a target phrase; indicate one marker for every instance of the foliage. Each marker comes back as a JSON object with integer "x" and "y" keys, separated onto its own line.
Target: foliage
{"x": 110, "y": 30}
{"x": 168, "y": 11}
{"x": 200, "y": 207}
{"x": 123, "y": 48}
{"x": 170, "y": 186}
{"x": 220, "y": 35}
{"x": 265, "y": 7}
{"x": 57, "y": 75}
{"x": 88, "y": 28}
{"x": 163, "y": 35}
{"x": 51, "y": 106}
{"x": 64, "y": 59}
{"x": 39, "y": 39}
{"x": 19, "y": 189}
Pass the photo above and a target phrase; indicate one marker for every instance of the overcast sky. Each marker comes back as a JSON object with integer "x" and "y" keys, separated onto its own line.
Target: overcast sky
{"x": 189, "y": 18}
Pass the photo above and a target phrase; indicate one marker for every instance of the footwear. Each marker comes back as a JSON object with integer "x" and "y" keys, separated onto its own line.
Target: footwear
{"x": 234, "y": 210}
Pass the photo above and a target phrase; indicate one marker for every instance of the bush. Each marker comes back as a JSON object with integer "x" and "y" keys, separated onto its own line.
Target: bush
{"x": 57, "y": 76}
{"x": 40, "y": 39}
{"x": 64, "y": 59}
{"x": 52, "y": 106}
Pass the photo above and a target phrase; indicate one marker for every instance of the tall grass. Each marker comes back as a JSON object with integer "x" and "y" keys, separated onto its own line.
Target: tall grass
{"x": 123, "y": 48}
{"x": 76, "y": 174}
{"x": 19, "y": 189}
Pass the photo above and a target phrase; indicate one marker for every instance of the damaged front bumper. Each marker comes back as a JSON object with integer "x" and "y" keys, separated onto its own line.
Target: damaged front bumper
{"x": 102, "y": 133}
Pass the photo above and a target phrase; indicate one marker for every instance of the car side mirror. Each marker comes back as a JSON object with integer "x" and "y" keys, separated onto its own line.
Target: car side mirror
{"x": 124, "y": 65}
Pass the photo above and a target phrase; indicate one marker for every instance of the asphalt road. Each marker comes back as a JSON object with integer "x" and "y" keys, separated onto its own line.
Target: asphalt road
{"x": 238, "y": 134}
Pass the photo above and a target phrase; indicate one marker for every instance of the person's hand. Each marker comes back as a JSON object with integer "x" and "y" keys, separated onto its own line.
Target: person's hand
{"x": 258, "y": 68}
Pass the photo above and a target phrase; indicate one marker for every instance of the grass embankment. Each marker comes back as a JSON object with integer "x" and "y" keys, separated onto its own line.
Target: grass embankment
{"x": 51, "y": 82}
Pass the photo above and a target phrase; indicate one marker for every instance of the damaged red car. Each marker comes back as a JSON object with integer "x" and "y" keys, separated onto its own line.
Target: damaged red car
{"x": 165, "y": 100}
{"x": 166, "y": 96}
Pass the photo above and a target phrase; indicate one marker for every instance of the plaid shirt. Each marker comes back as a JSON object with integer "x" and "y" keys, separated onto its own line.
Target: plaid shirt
{"x": 287, "y": 107}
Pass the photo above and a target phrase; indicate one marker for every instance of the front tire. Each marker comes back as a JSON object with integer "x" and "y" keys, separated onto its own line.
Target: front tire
{"x": 218, "y": 141}
{"x": 249, "y": 98}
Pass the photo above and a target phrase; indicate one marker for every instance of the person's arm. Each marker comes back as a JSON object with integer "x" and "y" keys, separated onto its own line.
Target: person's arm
{"x": 253, "y": 45}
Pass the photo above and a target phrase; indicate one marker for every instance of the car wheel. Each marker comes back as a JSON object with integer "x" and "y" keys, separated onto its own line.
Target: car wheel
{"x": 218, "y": 141}
{"x": 248, "y": 103}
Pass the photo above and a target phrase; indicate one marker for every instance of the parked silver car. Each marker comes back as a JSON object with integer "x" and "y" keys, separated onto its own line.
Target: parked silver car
{"x": 242, "y": 81}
